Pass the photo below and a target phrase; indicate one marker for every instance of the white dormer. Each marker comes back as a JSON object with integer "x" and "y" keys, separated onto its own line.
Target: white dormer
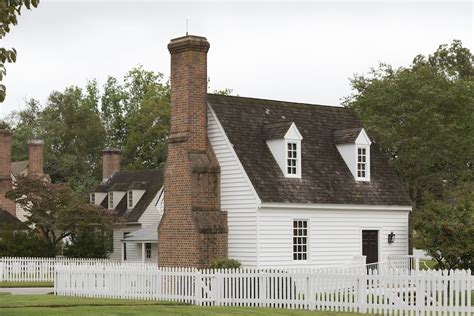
{"x": 284, "y": 141}
{"x": 114, "y": 198}
{"x": 354, "y": 147}
{"x": 133, "y": 196}
{"x": 96, "y": 198}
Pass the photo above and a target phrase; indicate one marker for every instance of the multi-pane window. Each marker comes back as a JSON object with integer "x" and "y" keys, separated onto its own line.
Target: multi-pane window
{"x": 130, "y": 199}
{"x": 148, "y": 250}
{"x": 92, "y": 198}
{"x": 125, "y": 246}
{"x": 361, "y": 162}
{"x": 111, "y": 200}
{"x": 292, "y": 158}
{"x": 300, "y": 240}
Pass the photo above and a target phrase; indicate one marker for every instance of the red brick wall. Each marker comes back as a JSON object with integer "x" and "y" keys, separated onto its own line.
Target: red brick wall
{"x": 193, "y": 229}
{"x": 35, "y": 157}
{"x": 5, "y": 171}
{"x": 110, "y": 162}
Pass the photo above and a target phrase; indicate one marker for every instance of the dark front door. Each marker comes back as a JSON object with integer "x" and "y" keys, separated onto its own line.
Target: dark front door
{"x": 370, "y": 245}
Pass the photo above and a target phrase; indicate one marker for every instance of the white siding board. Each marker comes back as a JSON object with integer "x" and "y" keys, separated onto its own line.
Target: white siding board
{"x": 132, "y": 250}
{"x": 335, "y": 237}
{"x": 238, "y": 197}
{"x": 152, "y": 214}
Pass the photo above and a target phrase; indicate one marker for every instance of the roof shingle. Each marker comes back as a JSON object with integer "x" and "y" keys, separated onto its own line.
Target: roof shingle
{"x": 325, "y": 176}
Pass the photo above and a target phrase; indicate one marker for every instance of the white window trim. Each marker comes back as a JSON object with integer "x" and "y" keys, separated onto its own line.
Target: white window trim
{"x": 110, "y": 197}
{"x": 129, "y": 206}
{"x": 307, "y": 240}
{"x": 367, "y": 163}
{"x": 298, "y": 158}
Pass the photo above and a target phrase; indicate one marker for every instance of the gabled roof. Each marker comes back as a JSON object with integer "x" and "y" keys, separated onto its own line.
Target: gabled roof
{"x": 20, "y": 168}
{"x": 325, "y": 178}
{"x": 346, "y": 136}
{"x": 7, "y": 218}
{"x": 146, "y": 234}
{"x": 276, "y": 130}
{"x": 149, "y": 180}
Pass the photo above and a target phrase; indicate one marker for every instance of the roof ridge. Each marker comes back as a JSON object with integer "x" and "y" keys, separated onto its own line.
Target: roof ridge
{"x": 282, "y": 101}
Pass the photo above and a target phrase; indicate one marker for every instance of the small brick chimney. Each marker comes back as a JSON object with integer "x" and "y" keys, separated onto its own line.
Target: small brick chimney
{"x": 35, "y": 157}
{"x": 193, "y": 229}
{"x": 5, "y": 171}
{"x": 110, "y": 162}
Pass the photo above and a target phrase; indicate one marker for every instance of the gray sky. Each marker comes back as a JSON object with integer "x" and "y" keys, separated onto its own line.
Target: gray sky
{"x": 302, "y": 52}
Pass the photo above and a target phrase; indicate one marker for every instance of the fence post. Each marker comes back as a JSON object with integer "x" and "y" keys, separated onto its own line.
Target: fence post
{"x": 362, "y": 292}
{"x": 197, "y": 287}
{"x": 417, "y": 263}
{"x": 1, "y": 271}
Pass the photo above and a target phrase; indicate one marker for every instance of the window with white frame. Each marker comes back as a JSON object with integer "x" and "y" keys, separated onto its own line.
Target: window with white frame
{"x": 130, "y": 199}
{"x": 362, "y": 165}
{"x": 292, "y": 158}
{"x": 148, "y": 250}
{"x": 111, "y": 200}
{"x": 92, "y": 199}
{"x": 300, "y": 240}
{"x": 125, "y": 234}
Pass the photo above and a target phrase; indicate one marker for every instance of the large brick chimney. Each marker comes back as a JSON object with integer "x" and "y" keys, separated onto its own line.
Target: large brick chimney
{"x": 35, "y": 157}
{"x": 5, "y": 171}
{"x": 193, "y": 229}
{"x": 110, "y": 162}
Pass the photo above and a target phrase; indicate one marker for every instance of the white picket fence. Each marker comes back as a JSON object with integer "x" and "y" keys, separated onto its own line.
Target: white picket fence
{"x": 397, "y": 292}
{"x": 25, "y": 269}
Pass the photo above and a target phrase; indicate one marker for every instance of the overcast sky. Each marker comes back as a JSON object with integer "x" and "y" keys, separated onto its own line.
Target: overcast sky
{"x": 302, "y": 52}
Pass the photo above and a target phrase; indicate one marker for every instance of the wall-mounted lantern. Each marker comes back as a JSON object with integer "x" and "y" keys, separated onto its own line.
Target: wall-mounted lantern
{"x": 391, "y": 238}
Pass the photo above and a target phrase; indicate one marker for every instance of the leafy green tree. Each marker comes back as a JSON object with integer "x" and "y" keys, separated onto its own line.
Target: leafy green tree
{"x": 23, "y": 243}
{"x": 135, "y": 115}
{"x": 9, "y": 11}
{"x": 446, "y": 232}
{"x": 26, "y": 127}
{"x": 90, "y": 242}
{"x": 77, "y": 123}
{"x": 56, "y": 211}
{"x": 422, "y": 116}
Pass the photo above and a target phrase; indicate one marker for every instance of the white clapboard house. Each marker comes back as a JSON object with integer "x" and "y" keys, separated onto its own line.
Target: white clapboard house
{"x": 136, "y": 196}
{"x": 301, "y": 184}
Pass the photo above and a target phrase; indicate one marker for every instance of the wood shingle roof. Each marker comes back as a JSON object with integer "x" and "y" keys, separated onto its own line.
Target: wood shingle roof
{"x": 325, "y": 177}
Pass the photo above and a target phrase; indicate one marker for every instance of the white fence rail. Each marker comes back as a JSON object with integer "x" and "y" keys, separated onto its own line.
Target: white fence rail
{"x": 397, "y": 292}
{"x": 16, "y": 269}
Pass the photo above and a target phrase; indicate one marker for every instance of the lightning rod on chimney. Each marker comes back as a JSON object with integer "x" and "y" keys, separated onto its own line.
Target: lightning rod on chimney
{"x": 186, "y": 27}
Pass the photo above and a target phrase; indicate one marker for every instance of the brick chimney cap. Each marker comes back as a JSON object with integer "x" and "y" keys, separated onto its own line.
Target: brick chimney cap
{"x": 111, "y": 150}
{"x": 188, "y": 42}
{"x": 36, "y": 142}
{"x": 5, "y": 132}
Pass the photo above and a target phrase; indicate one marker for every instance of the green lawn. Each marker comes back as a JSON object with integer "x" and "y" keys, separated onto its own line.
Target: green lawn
{"x": 26, "y": 284}
{"x": 430, "y": 263}
{"x": 56, "y": 305}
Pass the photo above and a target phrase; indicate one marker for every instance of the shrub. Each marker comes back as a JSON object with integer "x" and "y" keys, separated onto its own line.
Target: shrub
{"x": 224, "y": 263}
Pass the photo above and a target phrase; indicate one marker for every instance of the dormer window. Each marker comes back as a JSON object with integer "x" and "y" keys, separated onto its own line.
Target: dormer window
{"x": 354, "y": 146}
{"x": 92, "y": 198}
{"x": 284, "y": 141}
{"x": 130, "y": 199}
{"x": 111, "y": 200}
{"x": 361, "y": 162}
{"x": 292, "y": 159}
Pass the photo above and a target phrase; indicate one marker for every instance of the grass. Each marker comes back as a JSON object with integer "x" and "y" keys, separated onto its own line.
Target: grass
{"x": 430, "y": 263}
{"x": 26, "y": 284}
{"x": 38, "y": 305}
